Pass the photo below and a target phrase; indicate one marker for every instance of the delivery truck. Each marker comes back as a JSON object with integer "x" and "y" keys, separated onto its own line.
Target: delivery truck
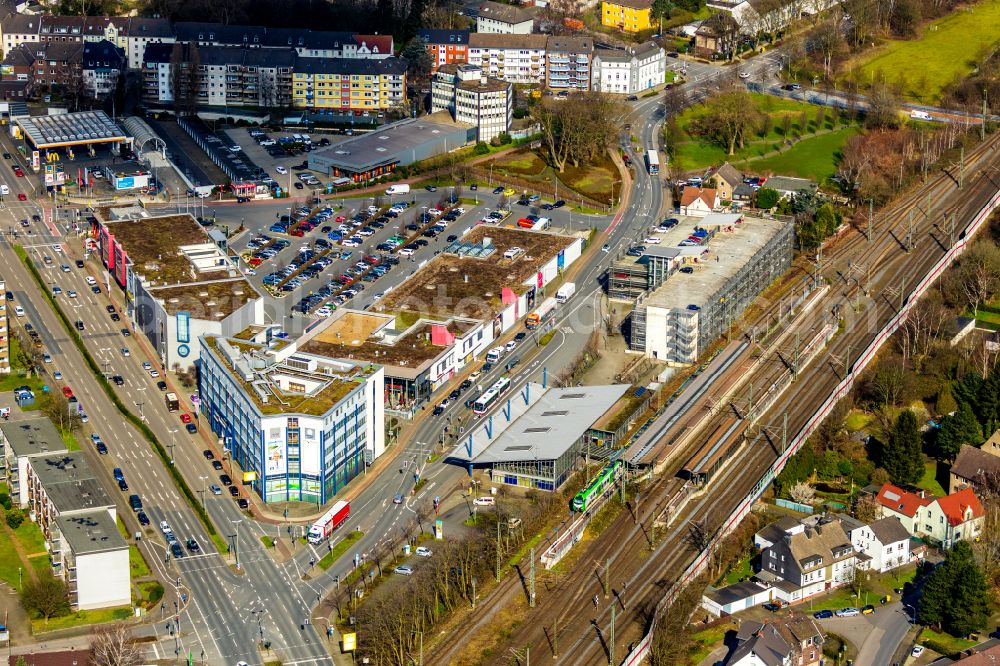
{"x": 541, "y": 314}
{"x": 565, "y": 292}
{"x": 173, "y": 404}
{"x": 328, "y": 522}
{"x": 398, "y": 189}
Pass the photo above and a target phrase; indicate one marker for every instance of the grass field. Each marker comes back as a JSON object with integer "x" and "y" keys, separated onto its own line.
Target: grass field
{"x": 948, "y": 48}
{"x": 80, "y": 618}
{"x": 814, "y": 152}
{"x": 339, "y": 549}
{"x": 525, "y": 163}
{"x": 816, "y": 157}
{"x": 929, "y": 481}
{"x": 597, "y": 180}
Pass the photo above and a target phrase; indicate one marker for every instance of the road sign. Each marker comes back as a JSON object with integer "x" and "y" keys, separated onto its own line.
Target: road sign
{"x": 350, "y": 642}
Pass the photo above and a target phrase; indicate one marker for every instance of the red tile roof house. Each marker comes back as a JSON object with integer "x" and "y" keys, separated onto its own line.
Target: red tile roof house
{"x": 953, "y": 518}
{"x": 942, "y": 520}
{"x": 698, "y": 202}
{"x": 895, "y": 501}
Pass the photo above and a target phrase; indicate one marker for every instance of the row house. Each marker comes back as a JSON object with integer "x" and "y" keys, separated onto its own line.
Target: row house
{"x": 629, "y": 71}
{"x": 103, "y": 63}
{"x": 446, "y": 46}
{"x": 809, "y": 560}
{"x": 568, "y": 63}
{"x": 512, "y": 58}
{"x": 307, "y": 43}
{"x": 226, "y": 75}
{"x": 348, "y": 84}
{"x": 58, "y": 64}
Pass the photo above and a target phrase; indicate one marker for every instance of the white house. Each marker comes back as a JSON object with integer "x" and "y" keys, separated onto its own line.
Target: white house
{"x": 894, "y": 501}
{"x": 885, "y": 541}
{"x": 698, "y": 201}
{"x": 504, "y": 19}
{"x": 952, "y": 518}
{"x": 629, "y": 71}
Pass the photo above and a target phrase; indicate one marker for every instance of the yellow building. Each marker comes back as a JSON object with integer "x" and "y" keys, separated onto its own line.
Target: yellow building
{"x": 627, "y": 15}
{"x": 349, "y": 84}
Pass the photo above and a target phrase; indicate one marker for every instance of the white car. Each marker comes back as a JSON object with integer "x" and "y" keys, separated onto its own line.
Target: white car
{"x": 510, "y": 346}
{"x": 280, "y": 169}
{"x": 125, "y": 352}
{"x": 744, "y": 75}
{"x": 71, "y": 293}
{"x": 917, "y": 651}
{"x": 424, "y": 551}
{"x": 652, "y": 240}
{"x": 18, "y": 310}
{"x": 236, "y": 149}
{"x": 91, "y": 281}
{"x": 154, "y": 374}
{"x": 165, "y": 527}
{"x": 404, "y": 570}
{"x": 405, "y": 252}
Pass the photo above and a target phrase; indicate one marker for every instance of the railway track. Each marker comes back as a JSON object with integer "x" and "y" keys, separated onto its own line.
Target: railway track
{"x": 582, "y": 630}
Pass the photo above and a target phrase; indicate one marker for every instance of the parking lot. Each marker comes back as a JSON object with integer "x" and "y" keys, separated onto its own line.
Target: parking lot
{"x": 343, "y": 253}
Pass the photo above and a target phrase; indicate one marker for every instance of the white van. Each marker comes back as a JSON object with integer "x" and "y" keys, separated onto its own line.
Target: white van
{"x": 486, "y": 501}
{"x": 398, "y": 189}
{"x": 4, "y": 189}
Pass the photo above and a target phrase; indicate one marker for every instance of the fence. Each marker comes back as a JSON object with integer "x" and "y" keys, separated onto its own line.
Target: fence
{"x": 794, "y": 506}
{"x": 641, "y": 650}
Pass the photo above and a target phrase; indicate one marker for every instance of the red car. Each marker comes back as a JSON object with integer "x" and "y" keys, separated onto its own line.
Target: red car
{"x": 185, "y": 418}
{"x": 19, "y": 172}
{"x": 340, "y": 218}
{"x": 296, "y": 232}
{"x": 255, "y": 261}
{"x": 21, "y": 196}
{"x": 67, "y": 391}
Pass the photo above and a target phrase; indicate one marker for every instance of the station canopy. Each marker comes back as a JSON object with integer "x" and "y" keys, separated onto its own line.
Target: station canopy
{"x": 70, "y": 129}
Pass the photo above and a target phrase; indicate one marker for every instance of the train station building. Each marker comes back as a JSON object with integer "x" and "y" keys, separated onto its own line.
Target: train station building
{"x": 538, "y": 437}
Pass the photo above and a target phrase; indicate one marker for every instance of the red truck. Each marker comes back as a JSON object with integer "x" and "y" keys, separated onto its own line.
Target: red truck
{"x": 328, "y": 522}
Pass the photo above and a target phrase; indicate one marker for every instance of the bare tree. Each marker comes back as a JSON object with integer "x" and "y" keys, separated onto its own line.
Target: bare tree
{"x": 866, "y": 508}
{"x": 114, "y": 645}
{"x": 698, "y": 536}
{"x": 887, "y": 381}
{"x": 731, "y": 117}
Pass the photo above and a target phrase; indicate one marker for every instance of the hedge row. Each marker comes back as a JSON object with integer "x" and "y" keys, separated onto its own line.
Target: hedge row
{"x": 124, "y": 411}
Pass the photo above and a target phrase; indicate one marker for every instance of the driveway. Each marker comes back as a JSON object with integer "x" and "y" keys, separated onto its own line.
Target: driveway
{"x": 876, "y": 636}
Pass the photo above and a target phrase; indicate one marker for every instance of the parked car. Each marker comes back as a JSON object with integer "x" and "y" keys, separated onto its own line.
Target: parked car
{"x": 823, "y": 614}
{"x": 848, "y": 612}
{"x": 403, "y": 570}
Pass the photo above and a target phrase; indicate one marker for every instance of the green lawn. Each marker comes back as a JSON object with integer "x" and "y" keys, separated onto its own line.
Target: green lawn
{"x": 149, "y": 593}
{"x": 742, "y": 570}
{"x": 817, "y": 153}
{"x": 857, "y": 420}
{"x": 9, "y": 563}
{"x": 339, "y": 549}
{"x": 137, "y": 563}
{"x": 81, "y": 618}
{"x": 708, "y": 640}
{"x": 948, "y": 49}
{"x": 267, "y": 541}
{"x": 70, "y": 441}
{"x": 814, "y": 158}
{"x": 841, "y": 598}
{"x": 944, "y": 643}
{"x": 929, "y": 481}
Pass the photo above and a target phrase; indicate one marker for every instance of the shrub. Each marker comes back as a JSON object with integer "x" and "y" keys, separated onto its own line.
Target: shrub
{"x": 14, "y": 517}
{"x": 482, "y": 148}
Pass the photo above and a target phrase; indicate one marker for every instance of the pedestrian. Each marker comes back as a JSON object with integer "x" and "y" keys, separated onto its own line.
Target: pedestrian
{"x": 596, "y": 601}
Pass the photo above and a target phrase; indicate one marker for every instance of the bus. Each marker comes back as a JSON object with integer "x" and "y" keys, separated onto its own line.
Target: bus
{"x": 652, "y": 162}
{"x": 492, "y": 394}
{"x": 601, "y": 482}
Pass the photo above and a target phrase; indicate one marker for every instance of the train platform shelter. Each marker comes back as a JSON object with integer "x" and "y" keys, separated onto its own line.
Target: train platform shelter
{"x": 70, "y": 129}
{"x": 536, "y": 437}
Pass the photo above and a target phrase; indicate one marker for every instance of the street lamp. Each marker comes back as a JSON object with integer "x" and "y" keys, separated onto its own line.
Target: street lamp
{"x": 202, "y": 491}
{"x": 236, "y": 542}
{"x": 474, "y": 581}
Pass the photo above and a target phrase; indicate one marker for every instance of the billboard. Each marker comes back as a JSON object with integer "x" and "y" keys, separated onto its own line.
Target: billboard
{"x": 36, "y": 159}
{"x": 274, "y": 451}
{"x": 309, "y": 451}
{"x": 249, "y": 477}
{"x": 131, "y": 182}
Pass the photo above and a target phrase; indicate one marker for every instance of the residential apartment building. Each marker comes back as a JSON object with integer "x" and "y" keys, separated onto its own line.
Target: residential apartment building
{"x": 307, "y": 43}
{"x": 73, "y": 511}
{"x": 627, "y": 15}
{"x": 567, "y": 64}
{"x": 226, "y": 75}
{"x": 513, "y": 58}
{"x": 102, "y": 64}
{"x": 300, "y": 425}
{"x": 446, "y": 46}
{"x": 348, "y": 84}
{"x": 629, "y": 71}
{"x": 58, "y": 64}
{"x": 141, "y": 32}
{"x": 471, "y": 97}
{"x": 499, "y": 18}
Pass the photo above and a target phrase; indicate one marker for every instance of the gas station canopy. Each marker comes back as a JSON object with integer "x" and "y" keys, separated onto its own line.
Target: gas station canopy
{"x": 70, "y": 129}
